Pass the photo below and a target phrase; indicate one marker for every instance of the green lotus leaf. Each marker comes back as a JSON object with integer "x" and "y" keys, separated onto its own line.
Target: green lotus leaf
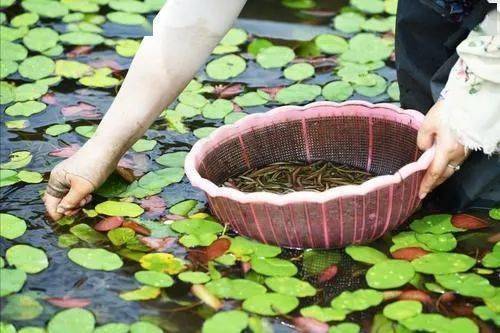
{"x": 41, "y": 39}
{"x": 141, "y": 294}
{"x": 238, "y": 289}
{"x": 17, "y": 124}
{"x": 486, "y": 314}
{"x": 337, "y": 91}
{"x": 21, "y": 307}
{"x": 162, "y": 262}
{"x": 194, "y": 277}
{"x": 12, "y": 34}
{"x": 365, "y": 254}
{"x": 203, "y": 132}
{"x": 86, "y": 131}
{"x": 17, "y": 160}
{"x": 467, "y": 284}
{"x": 443, "y": 242}
{"x": 87, "y": 234}
{"x": 331, "y": 44}
{"x": 130, "y": 6}
{"x": 367, "y": 47}
{"x": 173, "y": 160}
{"x": 112, "y": 328}
{"x": 234, "y": 117}
{"x": 30, "y": 92}
{"x": 299, "y": 72}
{"x": 226, "y": 67}
{"x": 378, "y": 24}
{"x": 393, "y": 91}
{"x": 49, "y": 81}
{"x": 24, "y": 20}
{"x": 270, "y": 304}
{"x": 67, "y": 240}
{"x": 121, "y": 236}
{"x": 390, "y": 274}
{"x": 290, "y": 286}
{"x": 491, "y": 260}
{"x": 369, "y": 6}
{"x": 58, "y": 129}
{"x": 252, "y": 99}
{"x": 11, "y": 226}
{"x": 273, "y": 266}
{"x": 155, "y": 5}
{"x": 83, "y": 6}
{"x": 195, "y": 100}
{"x": 197, "y": 240}
{"x": 435, "y": 224}
{"x": 358, "y": 300}
{"x": 234, "y": 37}
{"x": 161, "y": 178}
{"x": 433, "y": 322}
{"x": 196, "y": 227}
{"x": 11, "y": 51}
{"x": 348, "y": 22}
{"x": 323, "y": 314}
{"x": 100, "y": 79}
{"x": 345, "y": 328}
{"x": 6, "y": 3}
{"x": 72, "y": 69}
{"x": 183, "y": 208}
{"x": 275, "y": 56}
{"x": 7, "y": 68}
{"x": 127, "y": 47}
{"x": 154, "y": 279}
{"x": 45, "y": 8}
{"x": 54, "y": 51}
{"x": 494, "y": 213}
{"x": 81, "y": 38}
{"x": 233, "y": 321}
{"x": 8, "y": 177}
{"x": 7, "y": 92}
{"x": 144, "y": 327}
{"x": 241, "y": 246}
{"x": 371, "y": 91}
{"x": 27, "y": 258}
{"x": 218, "y": 109}
{"x": 443, "y": 263}
{"x": 118, "y": 208}
{"x": 30, "y": 177}
{"x": 126, "y": 18}
{"x": 12, "y": 281}
{"x": 402, "y": 310}
{"x": 74, "y": 320}
{"x": 298, "y": 93}
{"x": 299, "y": 4}
{"x": 36, "y": 67}
{"x": 257, "y": 45}
{"x": 391, "y": 6}
{"x": 95, "y": 259}
{"x": 143, "y": 145}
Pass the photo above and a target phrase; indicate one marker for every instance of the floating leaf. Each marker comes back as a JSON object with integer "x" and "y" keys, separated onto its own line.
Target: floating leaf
{"x": 12, "y": 281}
{"x": 72, "y": 69}
{"x": 393, "y": 91}
{"x": 194, "y": 277}
{"x": 468, "y": 284}
{"x": 7, "y": 328}
{"x": 432, "y": 322}
{"x": 81, "y": 38}
{"x": 86, "y": 131}
{"x": 234, "y": 117}
{"x": 270, "y": 304}
{"x": 17, "y": 124}
{"x": 87, "y": 234}
{"x": 406, "y": 239}
{"x": 443, "y": 242}
{"x": 252, "y": 99}
{"x": 443, "y": 263}
{"x": 402, "y": 310}
{"x": 358, "y": 300}
{"x": 11, "y": 51}
{"x": 369, "y": 6}
{"x": 331, "y": 44}
{"x": 174, "y": 160}
{"x": 241, "y": 246}
{"x": 36, "y": 67}
{"x": 45, "y": 8}
{"x": 273, "y": 266}
{"x": 58, "y": 129}
{"x": 21, "y": 307}
{"x": 143, "y": 145}
{"x": 118, "y": 208}
{"x": 112, "y": 328}
{"x": 100, "y": 79}
{"x": 374, "y": 90}
{"x": 275, "y": 56}
{"x": 7, "y": 68}
{"x": 290, "y": 286}
{"x": 41, "y": 39}
{"x": 218, "y": 109}
{"x": 159, "y": 179}
{"x": 485, "y": 314}
{"x": 126, "y": 18}
{"x": 492, "y": 259}
{"x": 257, "y": 45}
{"x": 162, "y": 262}
{"x": 323, "y": 314}
{"x": 345, "y": 328}
{"x": 7, "y": 92}
{"x": 141, "y": 294}
{"x": 226, "y": 67}
{"x": 11, "y": 226}
{"x": 25, "y": 109}
{"x": 298, "y": 93}
{"x": 434, "y": 224}
{"x": 389, "y": 274}
{"x": 78, "y": 320}
{"x": 494, "y": 213}
{"x": 299, "y": 72}
{"x": 121, "y": 236}
{"x": 30, "y": 91}
{"x": 67, "y": 240}
{"x": 96, "y": 259}
{"x": 234, "y": 37}
{"x": 127, "y": 47}
{"x": 299, "y": 4}
{"x": 337, "y": 91}
{"x": 27, "y": 258}
{"x": 30, "y": 177}
{"x": 196, "y": 227}
{"x": 348, "y": 22}
{"x": 365, "y": 254}
{"x": 8, "y": 177}
{"x": 365, "y": 48}
{"x": 233, "y": 321}
{"x": 203, "y": 132}
{"x": 154, "y": 279}
{"x": 238, "y": 289}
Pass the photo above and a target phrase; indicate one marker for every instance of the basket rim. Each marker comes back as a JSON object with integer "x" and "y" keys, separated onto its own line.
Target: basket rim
{"x": 380, "y": 110}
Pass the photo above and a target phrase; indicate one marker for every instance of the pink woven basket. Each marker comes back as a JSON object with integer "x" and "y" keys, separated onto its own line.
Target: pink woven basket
{"x": 380, "y": 138}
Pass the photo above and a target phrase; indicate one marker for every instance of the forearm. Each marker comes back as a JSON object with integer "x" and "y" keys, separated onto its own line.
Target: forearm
{"x": 184, "y": 34}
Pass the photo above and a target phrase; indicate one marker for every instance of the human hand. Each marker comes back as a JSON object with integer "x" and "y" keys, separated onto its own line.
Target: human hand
{"x": 449, "y": 154}
{"x": 67, "y": 192}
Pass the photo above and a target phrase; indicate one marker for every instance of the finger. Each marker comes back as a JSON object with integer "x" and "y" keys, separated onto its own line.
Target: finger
{"x": 433, "y": 174}
{"x": 72, "y": 212}
{"x": 447, "y": 174}
{"x": 86, "y": 200}
{"x": 425, "y": 137}
{"x": 51, "y": 204}
{"x": 71, "y": 200}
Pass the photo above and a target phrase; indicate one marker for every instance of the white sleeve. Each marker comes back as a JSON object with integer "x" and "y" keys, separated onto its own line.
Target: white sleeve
{"x": 471, "y": 98}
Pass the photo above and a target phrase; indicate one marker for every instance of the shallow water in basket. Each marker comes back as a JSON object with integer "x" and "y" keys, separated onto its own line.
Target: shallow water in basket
{"x": 177, "y": 309}
{"x": 288, "y": 177}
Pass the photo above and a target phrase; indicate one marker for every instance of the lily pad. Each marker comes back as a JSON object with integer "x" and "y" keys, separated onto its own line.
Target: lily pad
{"x": 234, "y": 117}
{"x": 373, "y": 90}
{"x": 402, "y": 310}
{"x": 7, "y": 92}
{"x": 87, "y": 234}
{"x": 11, "y": 226}
{"x": 11, "y": 51}
{"x": 154, "y": 279}
{"x": 112, "y": 328}
{"x": 36, "y": 67}
{"x": 86, "y": 131}
{"x": 443, "y": 242}
{"x": 323, "y": 314}
{"x": 100, "y": 79}
{"x": 369, "y": 6}
{"x": 273, "y": 266}
{"x": 365, "y": 48}
{"x": 467, "y": 284}
{"x": 121, "y": 236}
{"x": 345, "y": 328}
{"x": 58, "y": 129}
{"x": 389, "y": 274}
{"x": 290, "y": 286}
{"x": 331, "y": 44}
{"x": 299, "y": 72}
{"x": 142, "y": 294}
{"x": 275, "y": 56}
{"x": 443, "y": 263}
{"x": 257, "y": 45}
{"x": 173, "y": 160}
{"x": 238, "y": 289}
{"x": 77, "y": 320}
{"x": 126, "y": 18}
{"x": 127, "y": 47}
{"x": 144, "y": 327}
{"x": 492, "y": 259}
{"x": 194, "y": 277}
{"x": 81, "y": 38}
{"x": 117, "y": 208}
{"x": 270, "y": 304}
{"x": 7, "y": 67}
{"x": 358, "y": 300}
{"x": 21, "y": 307}
{"x": 226, "y": 67}
{"x": 252, "y": 99}
{"x": 435, "y": 224}
{"x": 365, "y": 254}
{"x": 298, "y": 93}
{"x": 41, "y": 39}
{"x": 130, "y": 6}
{"x": 96, "y": 259}
{"x": 8, "y": 177}
{"x": 196, "y": 227}
{"x": 17, "y": 160}
{"x": 203, "y": 132}
{"x": 241, "y": 246}
{"x": 217, "y": 109}
{"x": 234, "y": 37}
{"x": 337, "y": 91}
{"x": 233, "y": 321}
{"x": 72, "y": 69}
{"x": 12, "y": 281}
{"x": 162, "y": 262}
{"x": 433, "y": 322}
{"x": 27, "y": 258}
{"x": 30, "y": 177}
{"x": 45, "y": 8}
{"x": 30, "y": 92}
{"x": 494, "y": 213}
{"x": 348, "y": 22}
{"x": 393, "y": 91}
{"x": 485, "y": 314}
{"x": 143, "y": 145}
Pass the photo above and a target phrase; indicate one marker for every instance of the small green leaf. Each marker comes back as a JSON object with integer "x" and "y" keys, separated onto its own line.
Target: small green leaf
{"x": 117, "y": 208}
{"x": 154, "y": 279}
{"x": 11, "y": 226}
{"x": 233, "y": 321}
{"x": 27, "y": 258}
{"x": 270, "y": 304}
{"x": 77, "y": 320}
{"x": 141, "y": 294}
{"x": 365, "y": 254}
{"x": 402, "y": 310}
{"x": 96, "y": 259}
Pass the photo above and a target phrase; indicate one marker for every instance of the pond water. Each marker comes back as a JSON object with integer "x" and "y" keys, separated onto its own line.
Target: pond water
{"x": 177, "y": 309}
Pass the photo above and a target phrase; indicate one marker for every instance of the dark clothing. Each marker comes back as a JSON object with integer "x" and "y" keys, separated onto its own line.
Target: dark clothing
{"x": 426, "y": 40}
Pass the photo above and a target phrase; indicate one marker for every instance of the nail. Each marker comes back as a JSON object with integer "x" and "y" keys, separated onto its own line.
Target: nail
{"x": 422, "y": 195}
{"x": 60, "y": 210}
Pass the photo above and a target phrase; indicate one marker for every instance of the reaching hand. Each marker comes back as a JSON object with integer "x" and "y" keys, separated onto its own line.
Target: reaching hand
{"x": 449, "y": 155}
{"x": 66, "y": 192}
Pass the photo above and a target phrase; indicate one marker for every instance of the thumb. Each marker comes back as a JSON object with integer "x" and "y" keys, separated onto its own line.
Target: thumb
{"x": 425, "y": 138}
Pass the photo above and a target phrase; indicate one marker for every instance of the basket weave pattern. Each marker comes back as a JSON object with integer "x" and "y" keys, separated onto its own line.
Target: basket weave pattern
{"x": 379, "y": 138}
